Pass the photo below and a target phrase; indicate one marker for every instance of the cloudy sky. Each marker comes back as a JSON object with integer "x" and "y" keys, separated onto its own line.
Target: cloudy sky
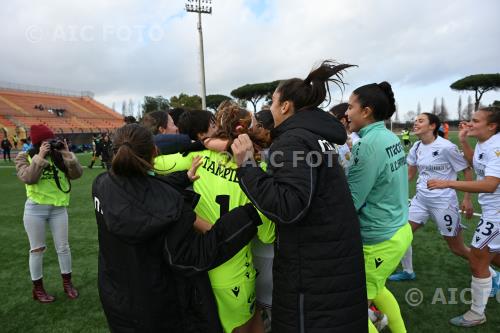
{"x": 125, "y": 49}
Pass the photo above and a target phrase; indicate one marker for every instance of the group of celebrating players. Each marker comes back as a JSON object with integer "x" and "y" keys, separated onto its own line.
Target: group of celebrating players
{"x": 329, "y": 232}
{"x": 292, "y": 216}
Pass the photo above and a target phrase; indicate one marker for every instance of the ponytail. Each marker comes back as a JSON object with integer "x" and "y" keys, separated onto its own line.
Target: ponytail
{"x": 313, "y": 90}
{"x": 133, "y": 151}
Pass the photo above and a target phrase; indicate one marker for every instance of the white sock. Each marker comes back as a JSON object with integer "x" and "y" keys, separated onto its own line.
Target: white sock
{"x": 371, "y": 315}
{"x": 481, "y": 289}
{"x": 492, "y": 272}
{"x": 407, "y": 261}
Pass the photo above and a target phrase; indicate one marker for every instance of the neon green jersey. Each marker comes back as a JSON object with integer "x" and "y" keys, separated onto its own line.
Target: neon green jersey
{"x": 220, "y": 192}
{"x": 45, "y": 191}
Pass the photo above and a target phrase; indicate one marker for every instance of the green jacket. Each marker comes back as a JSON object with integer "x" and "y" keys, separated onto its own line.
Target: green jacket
{"x": 378, "y": 179}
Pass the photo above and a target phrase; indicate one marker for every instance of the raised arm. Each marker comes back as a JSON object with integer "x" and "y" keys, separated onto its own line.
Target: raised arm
{"x": 286, "y": 195}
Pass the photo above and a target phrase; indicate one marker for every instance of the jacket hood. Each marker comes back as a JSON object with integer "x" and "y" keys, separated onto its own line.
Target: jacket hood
{"x": 316, "y": 121}
{"x": 137, "y": 208}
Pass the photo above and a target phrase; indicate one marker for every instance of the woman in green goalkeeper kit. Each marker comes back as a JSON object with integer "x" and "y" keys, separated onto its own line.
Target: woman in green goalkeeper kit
{"x": 378, "y": 179}
{"x": 233, "y": 282}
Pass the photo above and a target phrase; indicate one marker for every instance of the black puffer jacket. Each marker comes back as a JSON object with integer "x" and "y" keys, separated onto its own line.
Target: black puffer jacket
{"x": 318, "y": 272}
{"x": 152, "y": 264}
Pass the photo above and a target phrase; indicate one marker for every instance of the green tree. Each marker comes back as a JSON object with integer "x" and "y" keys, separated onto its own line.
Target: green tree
{"x": 253, "y": 93}
{"x": 152, "y": 104}
{"x": 186, "y": 101}
{"x": 479, "y": 83}
{"x": 496, "y": 103}
{"x": 213, "y": 101}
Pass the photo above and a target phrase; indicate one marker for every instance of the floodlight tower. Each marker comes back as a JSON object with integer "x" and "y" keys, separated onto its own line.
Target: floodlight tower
{"x": 201, "y": 7}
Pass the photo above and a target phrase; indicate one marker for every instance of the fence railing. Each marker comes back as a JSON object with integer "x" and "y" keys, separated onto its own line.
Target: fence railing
{"x": 44, "y": 90}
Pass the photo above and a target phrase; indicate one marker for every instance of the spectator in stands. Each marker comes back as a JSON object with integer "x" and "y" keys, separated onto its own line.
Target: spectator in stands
{"x": 152, "y": 264}
{"x": 46, "y": 169}
{"x": 6, "y": 147}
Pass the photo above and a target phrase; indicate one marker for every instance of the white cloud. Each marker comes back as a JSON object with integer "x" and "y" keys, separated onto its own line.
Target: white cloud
{"x": 131, "y": 48}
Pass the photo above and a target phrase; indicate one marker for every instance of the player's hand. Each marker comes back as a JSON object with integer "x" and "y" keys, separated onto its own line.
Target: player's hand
{"x": 201, "y": 226}
{"x": 434, "y": 184}
{"x": 44, "y": 149}
{"x": 242, "y": 148}
{"x": 463, "y": 130}
{"x": 467, "y": 208}
{"x": 197, "y": 161}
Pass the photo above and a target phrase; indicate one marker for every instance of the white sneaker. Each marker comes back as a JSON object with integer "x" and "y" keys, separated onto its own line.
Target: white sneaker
{"x": 463, "y": 322}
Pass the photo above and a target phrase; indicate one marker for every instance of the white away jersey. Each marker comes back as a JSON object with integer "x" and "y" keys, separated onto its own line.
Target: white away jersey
{"x": 437, "y": 160}
{"x": 354, "y": 137}
{"x": 487, "y": 163}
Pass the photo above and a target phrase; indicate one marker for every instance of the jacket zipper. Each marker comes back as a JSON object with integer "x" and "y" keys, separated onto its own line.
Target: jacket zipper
{"x": 301, "y": 313}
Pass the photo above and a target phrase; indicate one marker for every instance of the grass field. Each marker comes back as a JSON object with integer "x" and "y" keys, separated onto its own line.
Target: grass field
{"x": 437, "y": 270}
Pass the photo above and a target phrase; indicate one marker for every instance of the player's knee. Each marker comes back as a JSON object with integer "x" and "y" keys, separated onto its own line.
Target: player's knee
{"x": 38, "y": 249}
{"x": 63, "y": 248}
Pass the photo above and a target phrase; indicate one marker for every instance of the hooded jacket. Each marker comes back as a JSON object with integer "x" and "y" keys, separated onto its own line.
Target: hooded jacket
{"x": 152, "y": 264}
{"x": 318, "y": 271}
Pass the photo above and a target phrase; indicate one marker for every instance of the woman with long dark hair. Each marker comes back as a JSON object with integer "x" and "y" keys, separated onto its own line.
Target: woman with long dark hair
{"x": 378, "y": 179}
{"x": 46, "y": 169}
{"x": 318, "y": 270}
{"x": 152, "y": 264}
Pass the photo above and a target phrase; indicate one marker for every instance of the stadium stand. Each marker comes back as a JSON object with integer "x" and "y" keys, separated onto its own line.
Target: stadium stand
{"x": 71, "y": 114}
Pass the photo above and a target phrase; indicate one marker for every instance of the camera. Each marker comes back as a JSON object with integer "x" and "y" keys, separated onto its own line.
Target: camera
{"x": 56, "y": 144}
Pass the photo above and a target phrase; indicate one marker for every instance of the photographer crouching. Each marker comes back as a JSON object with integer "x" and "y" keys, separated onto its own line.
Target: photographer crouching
{"x": 47, "y": 169}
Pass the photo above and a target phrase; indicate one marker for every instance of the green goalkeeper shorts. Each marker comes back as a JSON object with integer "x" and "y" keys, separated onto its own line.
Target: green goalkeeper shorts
{"x": 382, "y": 259}
{"x": 236, "y": 305}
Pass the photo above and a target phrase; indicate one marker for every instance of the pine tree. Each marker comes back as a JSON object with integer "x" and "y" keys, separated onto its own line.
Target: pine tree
{"x": 470, "y": 108}
{"x": 130, "y": 111}
{"x": 443, "y": 112}
{"x": 459, "y": 108}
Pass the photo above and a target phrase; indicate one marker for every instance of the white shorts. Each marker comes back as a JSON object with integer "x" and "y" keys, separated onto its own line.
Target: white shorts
{"x": 487, "y": 234}
{"x": 446, "y": 217}
{"x": 264, "y": 281}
